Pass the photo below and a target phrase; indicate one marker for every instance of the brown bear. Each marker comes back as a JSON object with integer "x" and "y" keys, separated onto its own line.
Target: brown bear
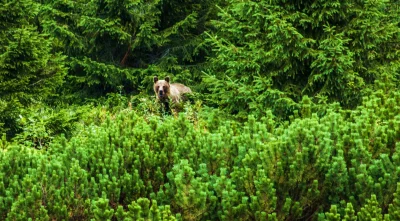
{"x": 164, "y": 91}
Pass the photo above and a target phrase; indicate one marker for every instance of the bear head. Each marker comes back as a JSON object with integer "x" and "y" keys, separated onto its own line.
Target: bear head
{"x": 161, "y": 88}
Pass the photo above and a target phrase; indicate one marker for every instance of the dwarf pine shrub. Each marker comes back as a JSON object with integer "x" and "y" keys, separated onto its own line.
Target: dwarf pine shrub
{"x": 343, "y": 165}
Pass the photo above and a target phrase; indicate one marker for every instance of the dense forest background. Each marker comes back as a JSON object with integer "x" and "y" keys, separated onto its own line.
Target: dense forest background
{"x": 295, "y": 113}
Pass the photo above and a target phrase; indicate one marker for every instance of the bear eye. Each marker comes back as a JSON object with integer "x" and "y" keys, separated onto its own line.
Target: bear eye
{"x": 157, "y": 88}
{"x": 165, "y": 88}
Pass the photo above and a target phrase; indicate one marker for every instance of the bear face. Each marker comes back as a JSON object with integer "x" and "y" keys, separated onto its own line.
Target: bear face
{"x": 165, "y": 90}
{"x": 162, "y": 88}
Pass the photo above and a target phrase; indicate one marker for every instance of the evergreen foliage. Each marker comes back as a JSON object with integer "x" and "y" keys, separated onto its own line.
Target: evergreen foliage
{"x": 30, "y": 71}
{"x": 134, "y": 168}
{"x": 269, "y": 54}
{"x": 394, "y": 208}
{"x": 295, "y": 114}
{"x": 113, "y": 46}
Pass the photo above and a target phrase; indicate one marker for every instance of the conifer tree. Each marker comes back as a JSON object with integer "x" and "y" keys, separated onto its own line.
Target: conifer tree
{"x": 115, "y": 46}
{"x": 30, "y": 71}
{"x": 269, "y": 54}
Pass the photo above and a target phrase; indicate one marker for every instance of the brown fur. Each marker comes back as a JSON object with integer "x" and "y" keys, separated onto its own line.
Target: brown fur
{"x": 164, "y": 90}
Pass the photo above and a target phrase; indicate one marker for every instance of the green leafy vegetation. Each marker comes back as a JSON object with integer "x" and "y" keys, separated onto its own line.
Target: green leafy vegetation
{"x": 295, "y": 113}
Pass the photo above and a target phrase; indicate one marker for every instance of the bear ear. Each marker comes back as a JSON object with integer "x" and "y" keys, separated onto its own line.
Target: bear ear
{"x": 155, "y": 79}
{"x": 167, "y": 79}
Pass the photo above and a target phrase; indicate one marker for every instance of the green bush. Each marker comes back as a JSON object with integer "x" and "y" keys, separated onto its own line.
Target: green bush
{"x": 343, "y": 164}
{"x": 40, "y": 124}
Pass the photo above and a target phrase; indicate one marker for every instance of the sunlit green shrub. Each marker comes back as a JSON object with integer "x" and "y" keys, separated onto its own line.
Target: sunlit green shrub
{"x": 344, "y": 164}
